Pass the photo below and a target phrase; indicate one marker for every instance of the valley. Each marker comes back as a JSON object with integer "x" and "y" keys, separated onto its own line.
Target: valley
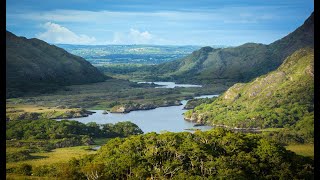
{"x": 161, "y": 112}
{"x": 105, "y": 96}
{"x": 100, "y": 55}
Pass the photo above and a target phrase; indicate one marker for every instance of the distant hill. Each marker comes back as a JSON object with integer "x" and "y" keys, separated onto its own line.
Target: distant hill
{"x": 236, "y": 64}
{"x": 284, "y": 97}
{"x": 34, "y": 66}
{"x": 99, "y": 55}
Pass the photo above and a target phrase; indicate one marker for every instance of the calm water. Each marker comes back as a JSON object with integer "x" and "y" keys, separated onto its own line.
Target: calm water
{"x": 155, "y": 120}
{"x": 171, "y": 84}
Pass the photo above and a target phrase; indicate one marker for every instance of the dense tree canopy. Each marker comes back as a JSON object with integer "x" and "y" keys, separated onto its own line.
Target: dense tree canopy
{"x": 216, "y": 154}
{"x": 52, "y": 129}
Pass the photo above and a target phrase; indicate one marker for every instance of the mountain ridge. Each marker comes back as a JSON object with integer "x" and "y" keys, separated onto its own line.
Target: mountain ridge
{"x": 220, "y": 65}
{"x": 33, "y": 65}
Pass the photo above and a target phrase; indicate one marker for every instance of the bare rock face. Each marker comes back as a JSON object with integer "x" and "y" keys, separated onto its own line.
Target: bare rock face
{"x": 196, "y": 118}
{"x": 265, "y": 84}
{"x": 310, "y": 70}
{"x": 232, "y": 93}
{"x": 119, "y": 109}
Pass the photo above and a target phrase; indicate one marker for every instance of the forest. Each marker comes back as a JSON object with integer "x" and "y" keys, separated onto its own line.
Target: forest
{"x": 214, "y": 154}
{"x": 30, "y": 136}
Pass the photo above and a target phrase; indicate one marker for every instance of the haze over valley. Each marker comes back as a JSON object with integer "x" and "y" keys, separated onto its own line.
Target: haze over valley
{"x": 132, "y": 54}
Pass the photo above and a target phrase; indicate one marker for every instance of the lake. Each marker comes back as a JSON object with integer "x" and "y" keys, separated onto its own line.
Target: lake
{"x": 171, "y": 84}
{"x": 154, "y": 120}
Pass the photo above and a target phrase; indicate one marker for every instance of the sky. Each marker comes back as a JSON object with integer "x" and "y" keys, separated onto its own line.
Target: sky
{"x": 164, "y": 22}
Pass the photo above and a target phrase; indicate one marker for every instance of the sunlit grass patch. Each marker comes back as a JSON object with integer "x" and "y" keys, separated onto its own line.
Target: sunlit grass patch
{"x": 32, "y": 108}
{"x": 302, "y": 149}
{"x": 55, "y": 156}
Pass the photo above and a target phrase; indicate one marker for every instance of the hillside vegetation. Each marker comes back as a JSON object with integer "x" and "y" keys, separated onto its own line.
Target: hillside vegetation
{"x": 34, "y": 66}
{"x": 282, "y": 98}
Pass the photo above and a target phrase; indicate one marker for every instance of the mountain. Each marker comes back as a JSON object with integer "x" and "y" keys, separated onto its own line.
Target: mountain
{"x": 237, "y": 64}
{"x": 34, "y": 66}
{"x": 284, "y": 97}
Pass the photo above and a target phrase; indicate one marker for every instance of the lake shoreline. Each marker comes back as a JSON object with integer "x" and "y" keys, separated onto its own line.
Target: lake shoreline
{"x": 169, "y": 118}
{"x": 145, "y": 107}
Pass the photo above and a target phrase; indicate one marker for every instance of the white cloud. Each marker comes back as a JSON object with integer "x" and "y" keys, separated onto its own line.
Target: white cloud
{"x": 140, "y": 37}
{"x": 153, "y": 27}
{"x": 56, "y": 33}
{"x": 134, "y": 36}
{"x": 104, "y": 17}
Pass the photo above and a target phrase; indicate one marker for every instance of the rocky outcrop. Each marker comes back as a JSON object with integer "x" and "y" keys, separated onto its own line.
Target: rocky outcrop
{"x": 196, "y": 118}
{"x": 131, "y": 107}
{"x": 232, "y": 93}
{"x": 126, "y": 108}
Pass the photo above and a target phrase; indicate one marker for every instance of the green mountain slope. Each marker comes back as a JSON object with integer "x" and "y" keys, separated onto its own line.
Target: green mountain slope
{"x": 33, "y": 65}
{"x": 280, "y": 98}
{"x": 237, "y": 64}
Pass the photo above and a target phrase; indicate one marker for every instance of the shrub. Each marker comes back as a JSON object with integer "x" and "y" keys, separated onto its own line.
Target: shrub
{"x": 24, "y": 169}
{"x": 17, "y": 156}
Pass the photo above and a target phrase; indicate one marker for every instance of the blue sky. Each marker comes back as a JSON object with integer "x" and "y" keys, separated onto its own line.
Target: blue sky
{"x": 169, "y": 22}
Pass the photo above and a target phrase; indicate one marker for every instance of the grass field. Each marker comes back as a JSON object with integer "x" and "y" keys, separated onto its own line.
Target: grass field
{"x": 59, "y": 155}
{"x": 33, "y": 111}
{"x": 32, "y": 108}
{"x": 55, "y": 156}
{"x": 302, "y": 149}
